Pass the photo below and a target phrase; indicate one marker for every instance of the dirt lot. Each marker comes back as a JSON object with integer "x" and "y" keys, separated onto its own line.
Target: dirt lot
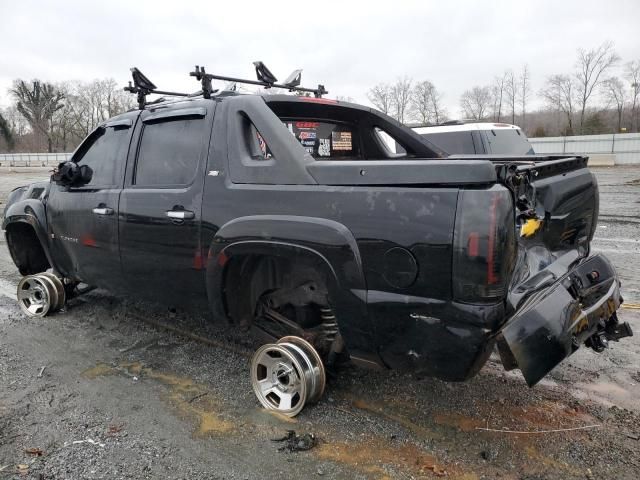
{"x": 122, "y": 398}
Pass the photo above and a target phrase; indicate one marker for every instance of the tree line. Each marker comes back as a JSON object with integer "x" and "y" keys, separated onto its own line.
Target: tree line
{"x": 600, "y": 95}
{"x": 45, "y": 117}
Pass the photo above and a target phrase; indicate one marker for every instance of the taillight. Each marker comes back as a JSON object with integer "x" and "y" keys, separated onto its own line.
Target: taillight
{"x": 484, "y": 245}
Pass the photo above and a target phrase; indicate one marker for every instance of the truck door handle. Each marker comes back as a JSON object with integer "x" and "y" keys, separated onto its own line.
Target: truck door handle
{"x": 103, "y": 211}
{"x": 180, "y": 214}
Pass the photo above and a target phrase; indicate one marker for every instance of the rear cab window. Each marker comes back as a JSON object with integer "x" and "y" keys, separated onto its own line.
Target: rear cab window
{"x": 326, "y": 140}
{"x": 331, "y": 130}
{"x": 508, "y": 141}
{"x": 455, "y": 143}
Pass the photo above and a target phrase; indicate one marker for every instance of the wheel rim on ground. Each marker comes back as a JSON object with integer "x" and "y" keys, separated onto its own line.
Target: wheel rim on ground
{"x": 316, "y": 364}
{"x": 35, "y": 296}
{"x": 59, "y": 286}
{"x": 53, "y": 291}
{"x": 279, "y": 379}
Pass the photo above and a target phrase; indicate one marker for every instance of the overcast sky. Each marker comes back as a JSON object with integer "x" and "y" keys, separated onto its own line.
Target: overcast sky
{"x": 346, "y": 45}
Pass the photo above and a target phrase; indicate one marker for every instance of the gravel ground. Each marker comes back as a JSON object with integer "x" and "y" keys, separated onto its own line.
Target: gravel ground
{"x": 121, "y": 398}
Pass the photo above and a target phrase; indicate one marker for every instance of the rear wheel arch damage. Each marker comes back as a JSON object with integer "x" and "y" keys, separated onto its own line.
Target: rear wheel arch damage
{"x": 245, "y": 276}
{"x": 25, "y": 248}
{"x": 283, "y": 291}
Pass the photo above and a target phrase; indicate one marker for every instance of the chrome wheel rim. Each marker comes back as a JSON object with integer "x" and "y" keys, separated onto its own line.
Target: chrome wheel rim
{"x": 59, "y": 287}
{"x": 53, "y": 291}
{"x": 34, "y": 296}
{"x": 287, "y": 375}
{"x": 278, "y": 379}
{"x": 315, "y": 362}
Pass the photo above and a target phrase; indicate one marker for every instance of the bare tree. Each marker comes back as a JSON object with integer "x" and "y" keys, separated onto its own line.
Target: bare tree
{"x": 476, "y": 102}
{"x": 614, "y": 92}
{"x": 5, "y": 132}
{"x": 39, "y": 113}
{"x": 591, "y": 65}
{"x": 426, "y": 103}
{"x": 438, "y": 110}
{"x": 17, "y": 123}
{"x": 498, "y": 91}
{"x": 89, "y": 104}
{"x": 400, "y": 96}
{"x": 511, "y": 93}
{"x": 525, "y": 85}
{"x": 38, "y": 101}
{"x": 559, "y": 93}
{"x": 632, "y": 74}
{"x": 380, "y": 96}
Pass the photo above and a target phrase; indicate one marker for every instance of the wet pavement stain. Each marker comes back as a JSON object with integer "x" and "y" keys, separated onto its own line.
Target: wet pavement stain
{"x": 188, "y": 398}
{"x": 382, "y": 460}
{"x": 384, "y": 457}
{"x": 529, "y": 453}
{"x": 461, "y": 422}
{"x": 548, "y": 415}
{"x": 402, "y": 418}
{"x": 539, "y": 463}
{"x": 100, "y": 370}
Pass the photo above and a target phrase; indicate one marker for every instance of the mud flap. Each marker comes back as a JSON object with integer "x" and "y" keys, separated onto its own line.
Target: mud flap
{"x": 554, "y": 323}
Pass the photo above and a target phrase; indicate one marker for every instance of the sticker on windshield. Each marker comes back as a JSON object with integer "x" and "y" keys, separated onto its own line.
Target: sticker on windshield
{"x": 341, "y": 140}
{"x": 324, "y": 149}
{"x": 307, "y": 125}
{"x": 307, "y": 135}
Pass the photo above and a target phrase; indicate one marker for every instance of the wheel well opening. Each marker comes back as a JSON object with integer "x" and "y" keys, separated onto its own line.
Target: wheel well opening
{"x": 249, "y": 277}
{"x": 25, "y": 249}
{"x": 282, "y": 296}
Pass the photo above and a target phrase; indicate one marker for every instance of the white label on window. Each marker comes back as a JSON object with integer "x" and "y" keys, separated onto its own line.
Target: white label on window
{"x": 324, "y": 149}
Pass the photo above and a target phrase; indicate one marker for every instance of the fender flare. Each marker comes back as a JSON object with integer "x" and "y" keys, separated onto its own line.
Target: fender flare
{"x": 31, "y": 212}
{"x": 325, "y": 242}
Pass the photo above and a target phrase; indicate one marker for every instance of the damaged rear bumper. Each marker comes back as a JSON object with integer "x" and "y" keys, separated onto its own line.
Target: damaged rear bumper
{"x": 578, "y": 308}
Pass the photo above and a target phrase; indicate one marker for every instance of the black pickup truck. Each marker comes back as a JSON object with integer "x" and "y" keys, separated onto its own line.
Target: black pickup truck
{"x": 291, "y": 213}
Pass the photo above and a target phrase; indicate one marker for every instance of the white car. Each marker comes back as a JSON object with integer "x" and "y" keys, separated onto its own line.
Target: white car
{"x": 459, "y": 138}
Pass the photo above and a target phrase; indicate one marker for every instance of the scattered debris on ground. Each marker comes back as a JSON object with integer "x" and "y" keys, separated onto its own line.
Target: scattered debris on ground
{"x": 296, "y": 443}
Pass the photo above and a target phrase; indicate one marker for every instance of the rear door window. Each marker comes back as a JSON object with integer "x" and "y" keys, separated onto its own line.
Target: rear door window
{"x": 454, "y": 143}
{"x": 508, "y": 142}
{"x": 326, "y": 140}
{"x": 169, "y": 152}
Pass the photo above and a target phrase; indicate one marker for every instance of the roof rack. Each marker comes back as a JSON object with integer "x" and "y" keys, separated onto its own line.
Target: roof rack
{"x": 266, "y": 79}
{"x": 142, "y": 86}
